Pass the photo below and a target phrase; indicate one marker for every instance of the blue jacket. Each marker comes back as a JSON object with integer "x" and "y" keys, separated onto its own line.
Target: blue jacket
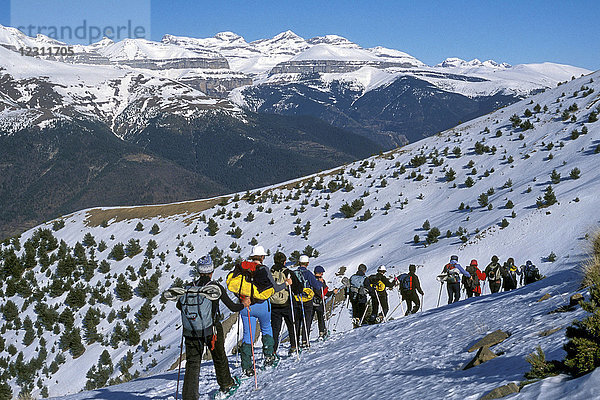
{"x": 309, "y": 277}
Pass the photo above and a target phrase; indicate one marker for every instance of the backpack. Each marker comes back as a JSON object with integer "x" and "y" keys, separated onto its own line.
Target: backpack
{"x": 197, "y": 309}
{"x": 453, "y": 276}
{"x": 249, "y": 280}
{"x": 531, "y": 272}
{"x": 357, "y": 287}
{"x": 282, "y": 296}
{"x": 474, "y": 281}
{"x": 307, "y": 293}
{"x": 377, "y": 284}
{"x": 405, "y": 281}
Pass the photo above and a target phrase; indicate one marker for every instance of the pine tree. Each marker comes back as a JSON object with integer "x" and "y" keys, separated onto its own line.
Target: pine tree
{"x": 133, "y": 248}
{"x": 88, "y": 240}
{"x": 469, "y": 182}
{"x": 555, "y": 177}
{"x": 450, "y": 175}
{"x": 155, "y": 229}
{"x": 139, "y": 227}
{"x": 426, "y": 225}
{"x": 483, "y": 199}
{"x": 212, "y": 227}
{"x": 575, "y": 173}
{"x": 432, "y": 235}
{"x": 118, "y": 252}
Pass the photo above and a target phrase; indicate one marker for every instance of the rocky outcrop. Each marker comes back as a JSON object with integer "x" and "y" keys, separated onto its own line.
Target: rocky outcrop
{"x": 484, "y": 354}
{"x": 490, "y": 340}
{"x": 330, "y": 66}
{"x": 177, "y": 63}
{"x": 501, "y": 391}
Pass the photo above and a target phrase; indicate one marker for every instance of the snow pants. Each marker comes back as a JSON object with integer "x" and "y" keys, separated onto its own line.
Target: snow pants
{"x": 303, "y": 312}
{"x": 453, "y": 292}
{"x": 280, "y": 313}
{"x": 319, "y": 311}
{"x": 193, "y": 355}
{"x": 260, "y": 311}
{"x": 495, "y": 286}
{"x": 411, "y": 297}
{"x": 380, "y": 299}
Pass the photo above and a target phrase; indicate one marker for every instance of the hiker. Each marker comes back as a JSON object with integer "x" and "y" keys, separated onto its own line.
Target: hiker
{"x": 409, "y": 286}
{"x": 252, "y": 279}
{"x": 509, "y": 273}
{"x": 319, "y": 301}
{"x": 494, "y": 275}
{"x": 379, "y": 297}
{"x": 190, "y": 302}
{"x": 473, "y": 285}
{"x": 529, "y": 273}
{"x": 281, "y": 306}
{"x": 452, "y": 278}
{"x": 303, "y": 307}
{"x": 357, "y": 291}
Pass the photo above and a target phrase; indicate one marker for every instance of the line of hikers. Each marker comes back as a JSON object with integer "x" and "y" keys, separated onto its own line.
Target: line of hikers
{"x": 498, "y": 276}
{"x": 277, "y": 295}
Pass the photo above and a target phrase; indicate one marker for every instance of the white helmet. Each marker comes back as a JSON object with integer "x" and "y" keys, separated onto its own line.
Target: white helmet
{"x": 303, "y": 260}
{"x": 258, "y": 251}
{"x": 381, "y": 268}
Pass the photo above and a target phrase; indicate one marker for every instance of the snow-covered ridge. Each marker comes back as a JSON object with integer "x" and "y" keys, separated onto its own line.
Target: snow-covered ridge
{"x": 400, "y": 194}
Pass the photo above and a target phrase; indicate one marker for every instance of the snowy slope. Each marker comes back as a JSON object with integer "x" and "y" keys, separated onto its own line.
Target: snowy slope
{"x": 136, "y": 49}
{"x": 386, "y": 238}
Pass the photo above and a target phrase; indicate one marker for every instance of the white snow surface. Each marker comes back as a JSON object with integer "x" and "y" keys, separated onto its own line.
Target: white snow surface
{"x": 331, "y": 52}
{"x": 420, "y": 356}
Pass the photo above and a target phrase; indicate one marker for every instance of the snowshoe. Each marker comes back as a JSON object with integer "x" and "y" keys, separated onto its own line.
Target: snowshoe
{"x": 270, "y": 362}
{"x": 230, "y": 391}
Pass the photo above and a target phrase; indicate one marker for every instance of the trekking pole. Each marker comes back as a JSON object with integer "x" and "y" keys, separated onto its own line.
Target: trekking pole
{"x": 330, "y": 312}
{"x": 364, "y": 313}
{"x": 179, "y": 368}
{"x": 340, "y": 314}
{"x": 440, "y": 295}
{"x": 237, "y": 344}
{"x": 304, "y": 322}
{"x": 294, "y": 321}
{"x": 252, "y": 348}
{"x": 389, "y": 315}
{"x": 483, "y": 290}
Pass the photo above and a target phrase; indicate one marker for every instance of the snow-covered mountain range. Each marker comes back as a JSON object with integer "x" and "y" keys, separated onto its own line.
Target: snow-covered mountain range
{"x": 218, "y": 65}
{"x": 485, "y": 185}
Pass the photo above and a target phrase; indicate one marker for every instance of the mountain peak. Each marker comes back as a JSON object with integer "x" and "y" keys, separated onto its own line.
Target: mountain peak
{"x": 228, "y": 36}
{"x": 287, "y": 35}
{"x": 335, "y": 40}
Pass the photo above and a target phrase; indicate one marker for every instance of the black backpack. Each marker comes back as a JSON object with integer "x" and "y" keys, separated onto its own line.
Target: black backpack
{"x": 405, "y": 281}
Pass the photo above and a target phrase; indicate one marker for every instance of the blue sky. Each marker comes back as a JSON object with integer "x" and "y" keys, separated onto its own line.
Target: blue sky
{"x": 508, "y": 31}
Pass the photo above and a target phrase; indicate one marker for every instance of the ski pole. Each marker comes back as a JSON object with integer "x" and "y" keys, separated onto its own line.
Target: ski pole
{"x": 422, "y": 301}
{"x": 483, "y": 290}
{"x": 179, "y": 368}
{"x": 294, "y": 322}
{"x": 330, "y": 312}
{"x": 304, "y": 323}
{"x": 237, "y": 344}
{"x": 252, "y": 348}
{"x": 339, "y": 315}
{"x": 440, "y": 295}
{"x": 364, "y": 313}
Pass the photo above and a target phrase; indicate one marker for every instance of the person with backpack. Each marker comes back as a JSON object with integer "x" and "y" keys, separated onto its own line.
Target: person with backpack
{"x": 251, "y": 279}
{"x": 529, "y": 273}
{"x": 494, "y": 275}
{"x": 509, "y": 273}
{"x": 379, "y": 297}
{"x": 199, "y": 305}
{"x": 473, "y": 285}
{"x": 409, "y": 286}
{"x": 281, "y": 306}
{"x": 319, "y": 301}
{"x": 303, "y": 307}
{"x": 357, "y": 292}
{"x": 452, "y": 278}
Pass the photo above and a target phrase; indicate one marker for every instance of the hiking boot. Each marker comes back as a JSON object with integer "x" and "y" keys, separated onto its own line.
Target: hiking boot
{"x": 304, "y": 345}
{"x": 322, "y": 335}
{"x": 270, "y": 360}
{"x": 248, "y": 372}
{"x": 291, "y": 351}
{"x": 230, "y": 389}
